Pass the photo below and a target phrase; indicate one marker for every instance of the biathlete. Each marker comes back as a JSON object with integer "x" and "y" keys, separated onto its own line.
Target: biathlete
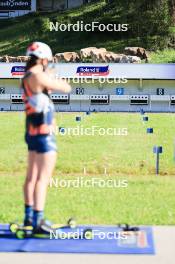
{"x": 39, "y": 136}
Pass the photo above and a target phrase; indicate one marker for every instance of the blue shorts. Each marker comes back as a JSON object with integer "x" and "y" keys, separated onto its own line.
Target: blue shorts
{"x": 41, "y": 143}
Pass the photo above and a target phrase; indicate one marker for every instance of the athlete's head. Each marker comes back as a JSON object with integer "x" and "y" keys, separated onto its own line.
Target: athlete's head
{"x": 40, "y": 53}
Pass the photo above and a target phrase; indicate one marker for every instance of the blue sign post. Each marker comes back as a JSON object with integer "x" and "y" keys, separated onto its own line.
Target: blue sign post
{"x": 157, "y": 150}
{"x": 150, "y": 130}
{"x": 78, "y": 118}
{"x": 61, "y": 130}
{"x": 145, "y": 118}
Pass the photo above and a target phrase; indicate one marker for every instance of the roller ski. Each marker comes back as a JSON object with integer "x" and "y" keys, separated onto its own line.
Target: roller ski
{"x": 128, "y": 228}
{"x": 49, "y": 231}
{"x": 14, "y": 227}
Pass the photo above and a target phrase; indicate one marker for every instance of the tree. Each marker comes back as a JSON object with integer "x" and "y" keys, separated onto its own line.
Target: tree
{"x": 172, "y": 9}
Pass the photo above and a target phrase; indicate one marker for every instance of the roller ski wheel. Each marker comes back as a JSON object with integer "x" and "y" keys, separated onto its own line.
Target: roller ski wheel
{"x": 14, "y": 227}
{"x": 72, "y": 223}
{"x": 21, "y": 234}
{"x": 88, "y": 234}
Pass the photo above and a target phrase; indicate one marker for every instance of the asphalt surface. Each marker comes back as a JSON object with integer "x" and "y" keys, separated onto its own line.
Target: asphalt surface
{"x": 164, "y": 237}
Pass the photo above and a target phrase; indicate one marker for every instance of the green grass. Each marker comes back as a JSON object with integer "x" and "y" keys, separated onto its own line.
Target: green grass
{"x": 116, "y": 153}
{"x": 165, "y": 56}
{"x": 148, "y": 199}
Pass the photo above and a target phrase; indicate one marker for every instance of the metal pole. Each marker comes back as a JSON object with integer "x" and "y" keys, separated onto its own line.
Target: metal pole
{"x": 157, "y": 150}
{"x": 157, "y": 163}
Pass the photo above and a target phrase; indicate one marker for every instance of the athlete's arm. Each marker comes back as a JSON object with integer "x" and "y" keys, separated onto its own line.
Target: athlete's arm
{"x": 43, "y": 80}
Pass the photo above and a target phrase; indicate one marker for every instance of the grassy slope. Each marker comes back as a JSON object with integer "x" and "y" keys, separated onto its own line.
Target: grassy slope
{"x": 147, "y": 200}
{"x": 165, "y": 56}
{"x": 17, "y": 33}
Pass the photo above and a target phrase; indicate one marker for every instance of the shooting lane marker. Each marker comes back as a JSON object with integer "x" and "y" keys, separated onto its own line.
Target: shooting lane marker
{"x": 78, "y": 118}
{"x": 61, "y": 130}
{"x": 150, "y": 130}
{"x": 157, "y": 150}
{"x": 145, "y": 118}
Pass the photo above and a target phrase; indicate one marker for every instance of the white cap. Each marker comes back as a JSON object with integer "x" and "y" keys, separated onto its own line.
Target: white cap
{"x": 40, "y": 50}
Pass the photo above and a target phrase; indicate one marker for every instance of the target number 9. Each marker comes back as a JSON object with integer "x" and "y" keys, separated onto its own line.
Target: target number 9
{"x": 119, "y": 91}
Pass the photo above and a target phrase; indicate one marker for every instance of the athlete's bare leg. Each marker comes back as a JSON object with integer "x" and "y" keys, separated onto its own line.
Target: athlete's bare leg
{"x": 46, "y": 164}
{"x": 31, "y": 177}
